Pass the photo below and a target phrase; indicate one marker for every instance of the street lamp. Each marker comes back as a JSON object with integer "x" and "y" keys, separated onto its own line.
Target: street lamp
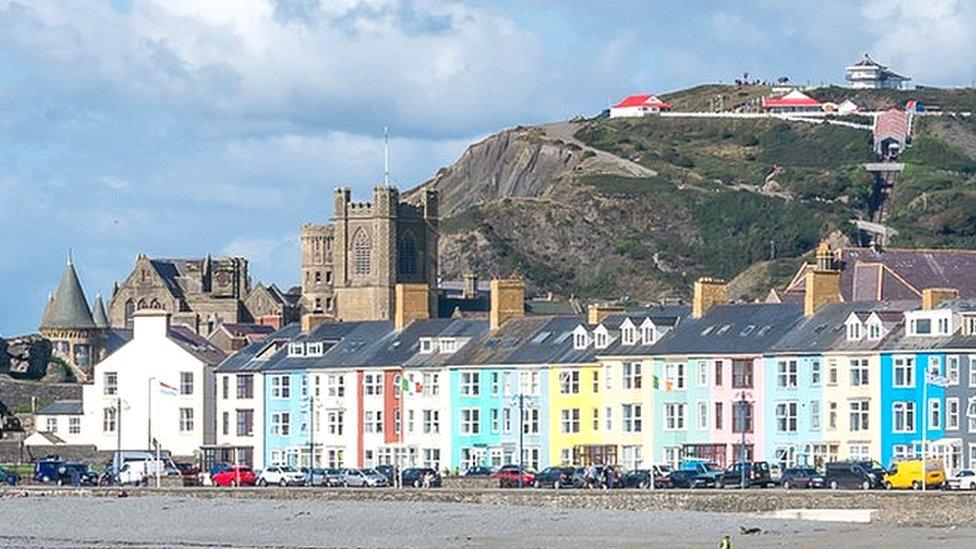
{"x": 519, "y": 400}
{"x": 743, "y": 405}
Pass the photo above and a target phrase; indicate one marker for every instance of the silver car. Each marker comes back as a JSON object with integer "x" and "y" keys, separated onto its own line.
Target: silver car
{"x": 370, "y": 478}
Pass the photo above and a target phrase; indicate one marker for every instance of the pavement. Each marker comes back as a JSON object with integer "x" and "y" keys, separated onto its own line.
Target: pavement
{"x": 228, "y": 522}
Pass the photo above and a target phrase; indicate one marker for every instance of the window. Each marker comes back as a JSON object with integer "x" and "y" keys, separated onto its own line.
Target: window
{"x": 596, "y": 381}
{"x": 596, "y": 419}
{"x": 52, "y": 425}
{"x": 874, "y": 331}
{"x": 362, "y": 249}
{"x": 529, "y": 383}
{"x": 904, "y": 372}
{"x": 507, "y": 420}
{"x": 674, "y": 375}
{"x": 853, "y": 330}
{"x": 110, "y": 383}
{"x": 944, "y": 326}
{"x": 569, "y": 382}
{"x": 628, "y": 335}
{"x": 703, "y": 374}
{"x": 608, "y": 418}
{"x": 815, "y": 373}
{"x": 74, "y": 425}
{"x": 647, "y": 332}
{"x": 742, "y": 417}
{"x": 741, "y": 374}
{"x": 633, "y": 422}
{"x": 426, "y": 345}
{"x": 718, "y": 373}
{"x": 859, "y": 451}
{"x": 431, "y": 384}
{"x": 280, "y": 386}
{"x": 935, "y": 413}
{"x": 225, "y": 387}
{"x": 408, "y": 254}
{"x": 718, "y": 416}
{"x": 245, "y": 386}
{"x": 580, "y": 340}
{"x": 470, "y": 421}
{"x": 373, "y": 420}
{"x": 530, "y": 421}
{"x": 832, "y": 373}
{"x": 631, "y": 456}
{"x": 702, "y": 415}
{"x": 832, "y": 415}
{"x": 786, "y": 374}
{"x": 109, "y": 423}
{"x": 186, "y": 419}
{"x": 335, "y": 420}
{"x": 432, "y": 421}
{"x": 335, "y": 385}
{"x": 633, "y": 375}
{"x": 814, "y": 415}
{"x": 600, "y": 339}
{"x": 952, "y": 414}
{"x": 495, "y": 382}
{"x": 470, "y": 382}
{"x": 245, "y": 423}
{"x": 607, "y": 376}
{"x": 225, "y": 423}
{"x": 952, "y": 370}
{"x": 923, "y": 326}
{"x": 570, "y": 420}
{"x": 495, "y": 420}
{"x": 373, "y": 384}
{"x": 859, "y": 415}
{"x": 903, "y": 417}
{"x": 448, "y": 345}
{"x": 859, "y": 372}
{"x": 786, "y": 417}
{"x": 281, "y": 423}
{"x": 432, "y": 458}
{"x": 186, "y": 383}
{"x": 674, "y": 416}
{"x": 316, "y": 349}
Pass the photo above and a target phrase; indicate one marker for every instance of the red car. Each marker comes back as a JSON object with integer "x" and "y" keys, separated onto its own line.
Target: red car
{"x": 508, "y": 477}
{"x": 235, "y": 476}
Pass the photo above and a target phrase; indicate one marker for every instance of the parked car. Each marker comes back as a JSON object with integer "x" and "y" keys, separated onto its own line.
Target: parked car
{"x": 8, "y": 478}
{"x": 414, "y": 476}
{"x": 689, "y": 478}
{"x": 282, "y": 475}
{"x": 189, "y": 473}
{"x": 235, "y": 476}
{"x": 801, "y": 477}
{"x": 46, "y": 469}
{"x": 508, "y": 476}
{"x": 388, "y": 471}
{"x": 863, "y": 475}
{"x": 962, "y": 480}
{"x": 326, "y": 477}
{"x": 908, "y": 474}
{"x": 560, "y": 477}
{"x": 70, "y": 472}
{"x": 136, "y": 471}
{"x": 756, "y": 474}
{"x": 370, "y": 478}
{"x": 478, "y": 471}
{"x": 702, "y": 467}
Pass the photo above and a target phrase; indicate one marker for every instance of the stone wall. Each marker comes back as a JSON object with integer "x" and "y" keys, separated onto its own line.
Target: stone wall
{"x": 17, "y": 394}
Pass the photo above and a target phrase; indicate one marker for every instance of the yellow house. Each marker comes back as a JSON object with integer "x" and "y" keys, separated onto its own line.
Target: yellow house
{"x": 576, "y": 435}
{"x": 852, "y": 405}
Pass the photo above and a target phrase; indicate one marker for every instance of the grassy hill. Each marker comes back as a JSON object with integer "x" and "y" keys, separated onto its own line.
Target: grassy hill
{"x": 641, "y": 207}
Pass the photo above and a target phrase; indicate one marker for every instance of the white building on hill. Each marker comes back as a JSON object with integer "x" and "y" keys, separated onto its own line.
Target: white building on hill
{"x": 869, "y": 74}
{"x": 638, "y": 105}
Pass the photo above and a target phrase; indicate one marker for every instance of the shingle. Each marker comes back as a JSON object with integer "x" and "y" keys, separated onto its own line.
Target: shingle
{"x": 725, "y": 330}
{"x": 69, "y": 309}
{"x": 62, "y": 407}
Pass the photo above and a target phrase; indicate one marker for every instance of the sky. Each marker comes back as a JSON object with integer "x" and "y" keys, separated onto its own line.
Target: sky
{"x": 177, "y": 128}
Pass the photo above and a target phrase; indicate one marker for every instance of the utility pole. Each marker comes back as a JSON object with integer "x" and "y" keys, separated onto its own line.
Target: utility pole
{"x": 521, "y": 401}
{"x": 149, "y": 436}
{"x": 118, "y": 435}
{"x": 311, "y": 433}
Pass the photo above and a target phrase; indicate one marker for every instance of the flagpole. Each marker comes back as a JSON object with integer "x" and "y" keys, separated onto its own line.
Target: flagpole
{"x": 925, "y": 423}
{"x": 149, "y": 415}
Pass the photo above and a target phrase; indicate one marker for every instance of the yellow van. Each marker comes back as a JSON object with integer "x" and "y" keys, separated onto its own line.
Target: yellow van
{"x": 908, "y": 474}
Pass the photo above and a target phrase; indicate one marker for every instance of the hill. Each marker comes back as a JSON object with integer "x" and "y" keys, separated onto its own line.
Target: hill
{"x": 641, "y": 207}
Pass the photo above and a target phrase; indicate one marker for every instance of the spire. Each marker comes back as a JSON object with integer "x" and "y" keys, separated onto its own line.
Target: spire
{"x": 69, "y": 308}
{"x": 47, "y": 309}
{"x": 98, "y": 313}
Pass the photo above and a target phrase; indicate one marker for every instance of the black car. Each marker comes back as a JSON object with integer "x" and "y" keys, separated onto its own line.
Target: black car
{"x": 756, "y": 474}
{"x": 414, "y": 476}
{"x": 801, "y": 477}
{"x": 686, "y": 478}
{"x": 478, "y": 471}
{"x": 854, "y": 475}
{"x": 560, "y": 477}
{"x": 641, "y": 478}
{"x": 387, "y": 471}
{"x": 76, "y": 473}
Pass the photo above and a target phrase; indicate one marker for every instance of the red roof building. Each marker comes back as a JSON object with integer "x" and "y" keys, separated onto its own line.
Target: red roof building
{"x": 638, "y": 105}
{"x": 795, "y": 101}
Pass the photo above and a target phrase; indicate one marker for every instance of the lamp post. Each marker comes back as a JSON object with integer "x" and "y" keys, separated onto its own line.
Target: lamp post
{"x": 519, "y": 400}
{"x": 149, "y": 437}
{"x": 118, "y": 436}
{"x": 743, "y": 406}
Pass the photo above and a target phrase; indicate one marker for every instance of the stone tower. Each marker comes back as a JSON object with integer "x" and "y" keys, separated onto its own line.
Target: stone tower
{"x": 369, "y": 248}
{"x": 68, "y": 323}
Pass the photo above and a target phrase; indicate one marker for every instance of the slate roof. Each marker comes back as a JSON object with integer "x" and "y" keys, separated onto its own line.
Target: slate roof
{"x": 662, "y": 316}
{"x": 473, "y": 329}
{"x": 899, "y": 340}
{"x": 243, "y": 360}
{"x": 98, "y": 313}
{"x": 70, "y": 307}
{"x": 246, "y": 330}
{"x": 62, "y": 408}
{"x": 499, "y": 346}
{"x": 744, "y": 328}
{"x": 196, "y": 345}
{"x": 825, "y": 331}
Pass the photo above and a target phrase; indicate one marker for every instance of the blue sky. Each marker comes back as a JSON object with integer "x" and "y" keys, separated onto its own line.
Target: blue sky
{"x": 181, "y": 127}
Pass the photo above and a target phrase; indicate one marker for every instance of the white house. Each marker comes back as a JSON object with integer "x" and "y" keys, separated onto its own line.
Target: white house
{"x": 638, "y": 105}
{"x": 793, "y": 102}
{"x": 869, "y": 74}
{"x": 159, "y": 385}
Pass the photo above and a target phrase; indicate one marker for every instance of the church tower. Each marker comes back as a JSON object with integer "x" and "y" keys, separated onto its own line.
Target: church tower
{"x": 68, "y": 323}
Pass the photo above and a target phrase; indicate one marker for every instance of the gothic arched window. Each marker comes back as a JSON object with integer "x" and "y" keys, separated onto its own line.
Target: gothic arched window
{"x": 408, "y": 254}
{"x": 155, "y": 304}
{"x": 361, "y": 250}
{"x": 130, "y": 308}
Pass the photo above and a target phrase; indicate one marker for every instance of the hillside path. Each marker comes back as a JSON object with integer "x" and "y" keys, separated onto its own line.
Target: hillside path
{"x": 567, "y": 132}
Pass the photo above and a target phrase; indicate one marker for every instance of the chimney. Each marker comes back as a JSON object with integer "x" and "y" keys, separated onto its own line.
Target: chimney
{"x": 708, "y": 292}
{"x": 470, "y": 290}
{"x": 595, "y": 313}
{"x": 412, "y": 303}
{"x": 822, "y": 282}
{"x": 507, "y": 301}
{"x": 150, "y": 324}
{"x": 933, "y": 297}
{"x": 310, "y": 321}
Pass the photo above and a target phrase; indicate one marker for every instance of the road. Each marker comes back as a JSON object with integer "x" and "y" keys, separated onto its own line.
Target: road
{"x": 167, "y": 521}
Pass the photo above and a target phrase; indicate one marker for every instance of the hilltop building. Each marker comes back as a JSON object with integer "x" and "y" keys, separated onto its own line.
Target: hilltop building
{"x": 78, "y": 337}
{"x": 869, "y": 74}
{"x": 793, "y": 102}
{"x": 350, "y": 268}
{"x": 634, "y": 106}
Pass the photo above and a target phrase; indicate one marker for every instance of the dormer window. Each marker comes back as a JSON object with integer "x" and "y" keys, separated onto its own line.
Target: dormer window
{"x": 296, "y": 349}
{"x": 628, "y": 335}
{"x": 580, "y": 338}
{"x": 854, "y": 330}
{"x": 874, "y": 331}
{"x": 315, "y": 349}
{"x": 447, "y": 345}
{"x": 426, "y": 345}
{"x": 943, "y": 326}
{"x": 600, "y": 340}
{"x": 648, "y": 335}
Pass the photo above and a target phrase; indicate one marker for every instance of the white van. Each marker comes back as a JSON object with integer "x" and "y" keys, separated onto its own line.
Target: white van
{"x": 140, "y": 471}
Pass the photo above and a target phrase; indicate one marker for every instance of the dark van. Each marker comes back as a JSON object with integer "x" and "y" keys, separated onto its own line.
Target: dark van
{"x": 757, "y": 474}
{"x": 853, "y": 475}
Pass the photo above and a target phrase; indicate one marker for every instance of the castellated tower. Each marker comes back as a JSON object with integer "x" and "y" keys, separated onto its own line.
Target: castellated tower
{"x": 374, "y": 246}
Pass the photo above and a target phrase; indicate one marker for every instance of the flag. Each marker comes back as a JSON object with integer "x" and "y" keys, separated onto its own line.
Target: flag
{"x": 418, "y": 388}
{"x": 655, "y": 382}
{"x": 405, "y": 384}
{"x": 167, "y": 390}
{"x": 668, "y": 385}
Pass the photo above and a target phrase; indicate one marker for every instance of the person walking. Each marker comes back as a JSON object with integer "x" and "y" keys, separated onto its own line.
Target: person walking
{"x": 726, "y": 542}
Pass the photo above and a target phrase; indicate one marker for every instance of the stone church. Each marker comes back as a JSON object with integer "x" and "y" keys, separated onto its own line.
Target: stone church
{"x": 350, "y": 267}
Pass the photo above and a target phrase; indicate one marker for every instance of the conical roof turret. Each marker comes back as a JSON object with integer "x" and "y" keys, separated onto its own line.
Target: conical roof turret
{"x": 70, "y": 307}
{"x": 98, "y": 313}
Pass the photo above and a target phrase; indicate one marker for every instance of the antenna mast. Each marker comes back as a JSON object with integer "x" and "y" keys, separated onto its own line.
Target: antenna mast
{"x": 386, "y": 156}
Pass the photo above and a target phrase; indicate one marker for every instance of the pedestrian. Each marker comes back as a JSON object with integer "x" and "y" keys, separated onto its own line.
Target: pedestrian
{"x": 426, "y": 479}
{"x": 726, "y": 542}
